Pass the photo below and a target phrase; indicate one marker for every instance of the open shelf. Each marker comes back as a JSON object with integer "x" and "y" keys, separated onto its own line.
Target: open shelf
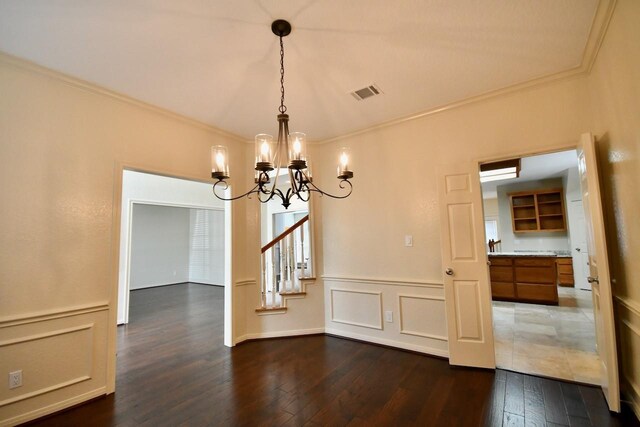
{"x": 538, "y": 211}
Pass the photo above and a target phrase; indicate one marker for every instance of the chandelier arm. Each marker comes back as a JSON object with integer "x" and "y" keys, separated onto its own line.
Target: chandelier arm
{"x": 333, "y": 196}
{"x": 278, "y": 192}
{"x": 247, "y": 194}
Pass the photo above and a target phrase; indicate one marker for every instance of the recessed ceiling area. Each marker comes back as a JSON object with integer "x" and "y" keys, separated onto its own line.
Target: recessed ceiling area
{"x": 533, "y": 168}
{"x": 217, "y": 62}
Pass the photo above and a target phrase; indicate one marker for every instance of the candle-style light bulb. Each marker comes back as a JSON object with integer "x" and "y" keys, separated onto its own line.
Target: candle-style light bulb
{"x": 219, "y": 165}
{"x": 297, "y": 147}
{"x": 220, "y": 161}
{"x": 344, "y": 160}
{"x": 344, "y": 169}
{"x": 296, "y": 150}
{"x": 263, "y": 152}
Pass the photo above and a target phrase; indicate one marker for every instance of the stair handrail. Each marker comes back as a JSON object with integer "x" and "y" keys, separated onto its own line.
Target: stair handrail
{"x": 285, "y": 233}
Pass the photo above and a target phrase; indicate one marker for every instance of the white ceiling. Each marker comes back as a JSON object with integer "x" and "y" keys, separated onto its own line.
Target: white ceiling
{"x": 217, "y": 61}
{"x": 534, "y": 168}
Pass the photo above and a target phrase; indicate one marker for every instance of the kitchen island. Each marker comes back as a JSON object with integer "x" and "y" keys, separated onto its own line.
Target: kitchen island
{"x": 524, "y": 277}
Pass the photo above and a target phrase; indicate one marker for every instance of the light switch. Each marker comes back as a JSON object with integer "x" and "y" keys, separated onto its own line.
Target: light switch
{"x": 388, "y": 316}
{"x": 408, "y": 240}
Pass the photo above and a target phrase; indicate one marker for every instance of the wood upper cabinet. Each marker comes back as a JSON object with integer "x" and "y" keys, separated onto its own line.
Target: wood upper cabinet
{"x": 538, "y": 211}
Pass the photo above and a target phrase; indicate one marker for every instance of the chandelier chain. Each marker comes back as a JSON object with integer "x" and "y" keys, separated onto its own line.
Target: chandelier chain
{"x": 282, "y": 108}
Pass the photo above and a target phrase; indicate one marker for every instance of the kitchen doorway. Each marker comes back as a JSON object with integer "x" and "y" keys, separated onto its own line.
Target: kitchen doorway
{"x": 543, "y": 316}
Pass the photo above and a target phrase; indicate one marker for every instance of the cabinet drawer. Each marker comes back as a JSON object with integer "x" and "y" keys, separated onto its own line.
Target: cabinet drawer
{"x": 535, "y": 275}
{"x": 502, "y": 290}
{"x": 535, "y": 261}
{"x": 500, "y": 260}
{"x": 565, "y": 279}
{"x": 565, "y": 269}
{"x": 564, "y": 261}
{"x": 537, "y": 292}
{"x": 501, "y": 274}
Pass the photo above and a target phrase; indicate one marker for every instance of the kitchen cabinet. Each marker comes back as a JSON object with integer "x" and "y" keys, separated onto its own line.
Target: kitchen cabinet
{"x": 565, "y": 271}
{"x": 538, "y": 211}
{"x": 524, "y": 278}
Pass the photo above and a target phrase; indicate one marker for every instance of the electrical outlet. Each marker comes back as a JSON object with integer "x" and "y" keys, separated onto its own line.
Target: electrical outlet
{"x": 15, "y": 379}
{"x": 388, "y": 316}
{"x": 408, "y": 240}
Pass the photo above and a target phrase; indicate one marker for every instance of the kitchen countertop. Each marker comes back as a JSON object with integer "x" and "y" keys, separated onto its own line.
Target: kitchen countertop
{"x": 540, "y": 254}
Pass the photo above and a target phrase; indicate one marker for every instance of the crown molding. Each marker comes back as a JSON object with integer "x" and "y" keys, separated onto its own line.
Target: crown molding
{"x": 599, "y": 26}
{"x": 25, "y": 64}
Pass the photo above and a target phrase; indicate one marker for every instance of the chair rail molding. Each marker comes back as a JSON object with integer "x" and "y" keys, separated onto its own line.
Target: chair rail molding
{"x": 41, "y": 316}
{"x": 384, "y": 281}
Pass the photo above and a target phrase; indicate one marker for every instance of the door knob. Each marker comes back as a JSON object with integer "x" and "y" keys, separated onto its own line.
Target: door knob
{"x": 593, "y": 280}
{"x": 577, "y": 249}
{"x": 449, "y": 272}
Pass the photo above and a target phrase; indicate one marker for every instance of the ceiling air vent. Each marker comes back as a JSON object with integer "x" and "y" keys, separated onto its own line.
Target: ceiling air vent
{"x": 366, "y": 92}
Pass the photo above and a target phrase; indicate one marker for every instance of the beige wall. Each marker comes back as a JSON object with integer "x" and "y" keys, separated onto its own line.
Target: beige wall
{"x": 490, "y": 207}
{"x": 396, "y": 195}
{"x": 614, "y": 85}
{"x": 61, "y": 153}
{"x": 61, "y": 145}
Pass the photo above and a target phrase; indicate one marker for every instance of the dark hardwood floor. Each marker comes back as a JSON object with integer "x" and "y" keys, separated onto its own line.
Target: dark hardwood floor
{"x": 174, "y": 371}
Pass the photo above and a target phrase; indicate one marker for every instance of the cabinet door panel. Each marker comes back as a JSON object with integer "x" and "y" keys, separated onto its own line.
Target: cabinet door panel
{"x": 536, "y": 275}
{"x": 502, "y": 290}
{"x": 500, "y": 260}
{"x": 565, "y": 269}
{"x": 534, "y": 261}
{"x": 501, "y": 274}
{"x": 537, "y": 292}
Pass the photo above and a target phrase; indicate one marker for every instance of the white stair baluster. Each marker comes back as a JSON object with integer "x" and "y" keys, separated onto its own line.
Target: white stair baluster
{"x": 273, "y": 267}
{"x": 296, "y": 274}
{"x": 263, "y": 283}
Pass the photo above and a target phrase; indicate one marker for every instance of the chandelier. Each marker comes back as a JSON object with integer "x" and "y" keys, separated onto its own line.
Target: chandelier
{"x": 289, "y": 151}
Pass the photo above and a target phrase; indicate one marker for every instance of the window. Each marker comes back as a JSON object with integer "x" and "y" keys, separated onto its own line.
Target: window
{"x": 491, "y": 229}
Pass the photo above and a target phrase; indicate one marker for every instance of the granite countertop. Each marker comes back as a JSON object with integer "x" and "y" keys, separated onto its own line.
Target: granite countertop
{"x": 540, "y": 254}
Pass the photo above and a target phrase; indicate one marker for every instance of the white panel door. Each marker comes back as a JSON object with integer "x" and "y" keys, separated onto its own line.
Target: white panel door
{"x": 466, "y": 276}
{"x": 599, "y": 270}
{"x": 579, "y": 249}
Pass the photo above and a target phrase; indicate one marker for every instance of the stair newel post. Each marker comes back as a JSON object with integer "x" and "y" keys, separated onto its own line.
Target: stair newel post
{"x": 263, "y": 283}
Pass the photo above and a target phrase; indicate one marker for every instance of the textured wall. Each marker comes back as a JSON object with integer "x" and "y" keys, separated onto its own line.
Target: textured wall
{"x": 614, "y": 85}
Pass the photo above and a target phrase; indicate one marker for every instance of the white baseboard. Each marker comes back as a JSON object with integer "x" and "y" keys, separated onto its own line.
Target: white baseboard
{"x": 632, "y": 399}
{"x": 278, "y": 334}
{"x": 58, "y": 406}
{"x": 339, "y": 333}
{"x": 390, "y": 343}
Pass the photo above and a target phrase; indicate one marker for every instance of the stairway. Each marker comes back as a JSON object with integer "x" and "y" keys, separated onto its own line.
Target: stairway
{"x": 285, "y": 267}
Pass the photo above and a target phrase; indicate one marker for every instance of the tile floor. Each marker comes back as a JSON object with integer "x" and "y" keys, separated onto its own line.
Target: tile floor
{"x": 553, "y": 341}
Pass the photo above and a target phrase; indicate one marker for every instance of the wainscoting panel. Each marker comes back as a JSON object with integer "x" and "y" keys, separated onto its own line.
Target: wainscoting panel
{"x": 357, "y": 307}
{"x": 57, "y": 354}
{"x": 421, "y": 315}
{"x": 629, "y": 313}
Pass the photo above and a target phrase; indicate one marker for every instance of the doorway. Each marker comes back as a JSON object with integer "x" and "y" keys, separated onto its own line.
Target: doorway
{"x": 173, "y": 232}
{"x": 542, "y": 305}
